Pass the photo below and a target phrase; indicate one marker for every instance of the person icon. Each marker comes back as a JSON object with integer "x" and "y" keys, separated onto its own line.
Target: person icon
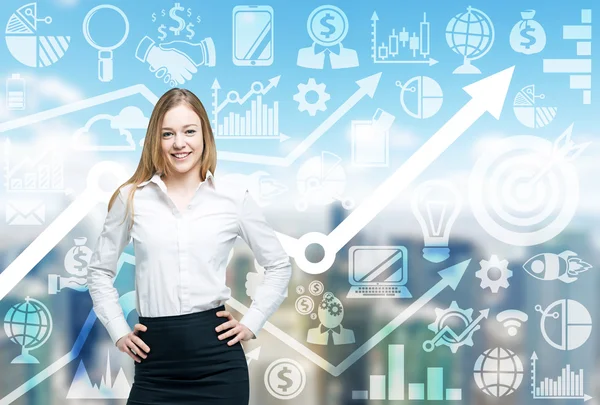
{"x": 331, "y": 314}
{"x": 327, "y": 26}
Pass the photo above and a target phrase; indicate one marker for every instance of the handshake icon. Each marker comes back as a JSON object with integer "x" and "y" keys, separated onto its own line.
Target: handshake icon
{"x": 176, "y": 61}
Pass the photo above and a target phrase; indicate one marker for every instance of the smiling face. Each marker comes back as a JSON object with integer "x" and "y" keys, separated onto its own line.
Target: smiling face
{"x": 181, "y": 139}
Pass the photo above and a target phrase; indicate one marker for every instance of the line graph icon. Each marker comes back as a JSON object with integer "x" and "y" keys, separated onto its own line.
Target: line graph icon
{"x": 260, "y": 121}
{"x": 401, "y": 46}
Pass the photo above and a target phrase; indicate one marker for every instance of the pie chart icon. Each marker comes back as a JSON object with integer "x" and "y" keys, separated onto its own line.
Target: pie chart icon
{"x": 421, "y": 97}
{"x": 26, "y": 45}
{"x": 565, "y": 324}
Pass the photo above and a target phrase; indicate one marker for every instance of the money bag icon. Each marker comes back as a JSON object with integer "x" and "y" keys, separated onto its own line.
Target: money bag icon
{"x": 527, "y": 36}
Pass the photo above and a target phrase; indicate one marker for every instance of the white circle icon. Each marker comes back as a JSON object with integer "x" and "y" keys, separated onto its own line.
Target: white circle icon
{"x": 285, "y": 378}
{"x": 521, "y": 193}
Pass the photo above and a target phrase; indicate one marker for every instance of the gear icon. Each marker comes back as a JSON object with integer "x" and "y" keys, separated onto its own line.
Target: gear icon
{"x": 304, "y": 105}
{"x": 498, "y": 266}
{"x": 335, "y": 309}
{"x": 448, "y": 318}
{"x": 328, "y": 296}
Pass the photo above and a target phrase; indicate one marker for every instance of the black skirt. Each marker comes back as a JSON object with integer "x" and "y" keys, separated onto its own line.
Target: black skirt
{"x": 188, "y": 364}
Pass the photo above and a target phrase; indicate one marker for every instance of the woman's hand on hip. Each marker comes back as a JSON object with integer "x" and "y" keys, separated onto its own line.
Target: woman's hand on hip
{"x": 133, "y": 345}
{"x": 240, "y": 331}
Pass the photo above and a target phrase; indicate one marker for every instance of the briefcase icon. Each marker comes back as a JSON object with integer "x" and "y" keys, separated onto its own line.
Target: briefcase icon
{"x": 25, "y": 212}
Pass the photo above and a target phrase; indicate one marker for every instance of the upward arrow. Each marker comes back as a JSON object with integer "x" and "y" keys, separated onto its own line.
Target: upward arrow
{"x": 488, "y": 95}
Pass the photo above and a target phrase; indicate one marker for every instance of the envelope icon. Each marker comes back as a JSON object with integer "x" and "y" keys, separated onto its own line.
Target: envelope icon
{"x": 25, "y": 212}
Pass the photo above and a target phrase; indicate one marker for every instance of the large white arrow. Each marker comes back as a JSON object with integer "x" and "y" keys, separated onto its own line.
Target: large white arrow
{"x": 487, "y": 95}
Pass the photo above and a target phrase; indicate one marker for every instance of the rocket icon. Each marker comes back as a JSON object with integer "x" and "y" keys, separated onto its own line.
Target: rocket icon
{"x": 565, "y": 266}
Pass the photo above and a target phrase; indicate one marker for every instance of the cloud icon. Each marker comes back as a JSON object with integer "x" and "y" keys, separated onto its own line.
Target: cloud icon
{"x": 129, "y": 117}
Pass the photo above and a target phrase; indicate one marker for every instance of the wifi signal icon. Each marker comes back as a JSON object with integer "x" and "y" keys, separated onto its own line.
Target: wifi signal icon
{"x": 512, "y": 319}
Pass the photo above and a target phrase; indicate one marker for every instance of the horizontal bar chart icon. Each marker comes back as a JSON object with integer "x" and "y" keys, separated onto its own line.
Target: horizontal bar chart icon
{"x": 583, "y": 35}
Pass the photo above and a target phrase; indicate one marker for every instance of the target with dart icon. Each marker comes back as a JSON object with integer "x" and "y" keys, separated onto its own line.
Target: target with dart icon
{"x": 525, "y": 190}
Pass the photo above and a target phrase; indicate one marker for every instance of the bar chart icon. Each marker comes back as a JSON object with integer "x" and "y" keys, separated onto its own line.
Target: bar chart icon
{"x": 259, "y": 121}
{"x": 393, "y": 384}
{"x": 400, "y": 46}
{"x": 44, "y": 173}
{"x": 568, "y": 385}
{"x": 579, "y": 69}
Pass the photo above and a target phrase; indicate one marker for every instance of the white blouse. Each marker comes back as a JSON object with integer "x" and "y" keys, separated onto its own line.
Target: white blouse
{"x": 181, "y": 257}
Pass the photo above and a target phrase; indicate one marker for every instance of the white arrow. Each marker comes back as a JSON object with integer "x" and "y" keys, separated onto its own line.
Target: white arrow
{"x": 486, "y": 95}
{"x": 451, "y": 277}
{"x": 367, "y": 87}
{"x": 253, "y": 355}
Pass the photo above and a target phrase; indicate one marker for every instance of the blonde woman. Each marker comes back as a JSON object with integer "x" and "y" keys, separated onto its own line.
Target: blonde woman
{"x": 183, "y": 223}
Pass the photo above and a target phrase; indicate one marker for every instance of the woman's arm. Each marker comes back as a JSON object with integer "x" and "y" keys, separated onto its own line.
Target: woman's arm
{"x": 260, "y": 237}
{"x": 103, "y": 267}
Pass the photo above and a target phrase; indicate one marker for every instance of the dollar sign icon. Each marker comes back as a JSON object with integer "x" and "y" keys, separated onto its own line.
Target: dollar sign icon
{"x": 189, "y": 12}
{"x": 190, "y": 30}
{"x": 162, "y": 32}
{"x": 282, "y": 376}
{"x": 180, "y": 21}
{"x": 325, "y": 23}
{"x": 79, "y": 257}
{"x": 304, "y": 305}
{"x": 153, "y": 17}
{"x": 526, "y": 34}
{"x": 285, "y": 378}
{"x": 316, "y": 287}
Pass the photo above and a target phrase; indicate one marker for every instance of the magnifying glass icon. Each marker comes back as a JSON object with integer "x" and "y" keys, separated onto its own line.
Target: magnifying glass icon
{"x": 105, "y": 55}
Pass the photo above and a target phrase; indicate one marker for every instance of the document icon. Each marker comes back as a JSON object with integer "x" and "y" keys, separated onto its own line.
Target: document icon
{"x": 378, "y": 272}
{"x": 370, "y": 140}
{"x": 25, "y": 212}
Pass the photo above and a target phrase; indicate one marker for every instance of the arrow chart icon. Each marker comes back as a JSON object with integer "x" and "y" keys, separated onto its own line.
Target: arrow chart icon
{"x": 568, "y": 385}
{"x": 429, "y": 345}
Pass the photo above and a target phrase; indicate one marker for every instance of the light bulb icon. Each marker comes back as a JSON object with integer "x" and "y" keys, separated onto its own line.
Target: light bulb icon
{"x": 436, "y": 205}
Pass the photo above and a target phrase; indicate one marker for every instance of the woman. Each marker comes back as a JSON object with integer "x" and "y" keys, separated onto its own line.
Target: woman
{"x": 184, "y": 223}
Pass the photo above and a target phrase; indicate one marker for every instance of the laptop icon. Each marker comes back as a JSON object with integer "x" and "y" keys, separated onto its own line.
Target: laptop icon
{"x": 378, "y": 272}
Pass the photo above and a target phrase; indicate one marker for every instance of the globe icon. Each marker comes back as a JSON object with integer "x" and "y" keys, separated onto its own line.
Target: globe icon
{"x": 470, "y": 34}
{"x": 29, "y": 325}
{"x": 498, "y": 372}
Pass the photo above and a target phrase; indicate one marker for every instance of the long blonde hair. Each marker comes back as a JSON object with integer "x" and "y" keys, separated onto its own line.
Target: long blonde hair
{"x": 152, "y": 159}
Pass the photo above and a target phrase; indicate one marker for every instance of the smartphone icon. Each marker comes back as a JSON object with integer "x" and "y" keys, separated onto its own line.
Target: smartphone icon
{"x": 252, "y": 35}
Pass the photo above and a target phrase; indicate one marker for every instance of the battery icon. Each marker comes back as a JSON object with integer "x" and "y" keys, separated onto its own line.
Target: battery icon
{"x": 15, "y": 92}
